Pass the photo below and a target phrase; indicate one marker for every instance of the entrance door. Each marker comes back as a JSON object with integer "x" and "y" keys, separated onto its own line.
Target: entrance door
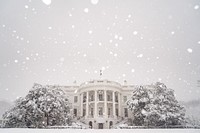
{"x": 100, "y": 125}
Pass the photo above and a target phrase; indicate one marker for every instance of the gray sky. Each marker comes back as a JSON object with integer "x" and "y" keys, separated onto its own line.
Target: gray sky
{"x": 59, "y": 41}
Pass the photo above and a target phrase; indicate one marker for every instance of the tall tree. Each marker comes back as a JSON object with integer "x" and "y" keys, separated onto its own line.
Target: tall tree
{"x": 155, "y": 105}
{"x": 42, "y": 106}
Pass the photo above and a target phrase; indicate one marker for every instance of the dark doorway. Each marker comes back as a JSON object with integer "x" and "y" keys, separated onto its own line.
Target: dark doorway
{"x": 111, "y": 124}
{"x": 90, "y": 124}
{"x": 100, "y": 125}
{"x": 75, "y": 112}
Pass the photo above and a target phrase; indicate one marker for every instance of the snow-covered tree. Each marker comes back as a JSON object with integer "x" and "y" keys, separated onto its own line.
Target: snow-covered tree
{"x": 155, "y": 105}
{"x": 42, "y": 106}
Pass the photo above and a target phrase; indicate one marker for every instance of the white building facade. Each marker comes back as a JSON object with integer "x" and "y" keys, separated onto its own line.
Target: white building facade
{"x": 100, "y": 104}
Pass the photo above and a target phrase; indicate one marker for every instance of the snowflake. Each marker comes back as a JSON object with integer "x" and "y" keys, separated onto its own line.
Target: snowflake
{"x": 16, "y": 61}
{"x": 47, "y": 2}
{"x": 26, "y": 6}
{"x": 103, "y": 68}
{"x": 116, "y": 36}
{"x": 49, "y": 28}
{"x": 135, "y": 33}
{"x": 86, "y": 10}
{"x": 189, "y": 50}
{"x": 140, "y": 56}
{"x": 27, "y": 58}
{"x": 172, "y": 32}
{"x": 94, "y": 2}
{"x": 132, "y": 70}
{"x": 196, "y": 7}
{"x": 95, "y": 71}
{"x": 62, "y": 59}
{"x": 120, "y": 38}
{"x": 90, "y": 31}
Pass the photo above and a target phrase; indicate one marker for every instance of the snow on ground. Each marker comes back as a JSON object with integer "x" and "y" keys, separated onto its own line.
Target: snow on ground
{"x": 99, "y": 131}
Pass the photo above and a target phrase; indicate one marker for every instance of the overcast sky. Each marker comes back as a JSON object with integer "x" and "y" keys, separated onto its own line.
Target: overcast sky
{"x": 60, "y": 41}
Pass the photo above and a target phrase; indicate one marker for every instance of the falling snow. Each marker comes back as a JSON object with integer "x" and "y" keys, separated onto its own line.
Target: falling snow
{"x": 57, "y": 42}
{"x": 86, "y": 10}
{"x": 94, "y": 2}
{"x": 189, "y": 50}
{"x": 47, "y": 2}
{"x": 196, "y": 7}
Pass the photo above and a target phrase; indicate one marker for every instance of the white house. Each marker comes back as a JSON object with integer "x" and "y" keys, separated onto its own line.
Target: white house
{"x": 100, "y": 104}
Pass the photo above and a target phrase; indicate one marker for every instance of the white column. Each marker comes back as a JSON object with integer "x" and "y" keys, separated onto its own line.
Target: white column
{"x": 95, "y": 104}
{"x": 105, "y": 105}
{"x": 87, "y": 107}
{"x": 119, "y": 104}
{"x": 114, "y": 114}
{"x": 81, "y": 101}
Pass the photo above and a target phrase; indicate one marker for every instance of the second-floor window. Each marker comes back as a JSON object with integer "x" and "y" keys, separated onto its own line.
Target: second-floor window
{"x": 75, "y": 99}
{"x": 109, "y": 98}
{"x": 100, "y": 97}
{"x": 92, "y": 98}
{"x": 117, "y": 113}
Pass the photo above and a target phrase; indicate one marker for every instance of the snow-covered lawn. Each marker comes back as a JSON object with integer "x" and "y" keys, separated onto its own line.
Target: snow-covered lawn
{"x": 99, "y": 131}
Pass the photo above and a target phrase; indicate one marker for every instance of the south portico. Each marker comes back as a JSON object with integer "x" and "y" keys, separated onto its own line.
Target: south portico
{"x": 100, "y": 104}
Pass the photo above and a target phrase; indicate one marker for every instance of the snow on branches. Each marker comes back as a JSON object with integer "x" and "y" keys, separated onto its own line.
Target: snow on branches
{"x": 155, "y": 105}
{"x": 42, "y": 106}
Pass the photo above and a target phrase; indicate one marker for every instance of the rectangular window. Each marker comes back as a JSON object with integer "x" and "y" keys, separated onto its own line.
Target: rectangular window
{"x": 92, "y": 98}
{"x": 100, "y": 97}
{"x": 125, "y": 112}
{"x": 100, "y": 111}
{"x": 117, "y": 114}
{"x": 108, "y": 111}
{"x": 125, "y": 99}
{"x": 109, "y": 98}
{"x": 75, "y": 99}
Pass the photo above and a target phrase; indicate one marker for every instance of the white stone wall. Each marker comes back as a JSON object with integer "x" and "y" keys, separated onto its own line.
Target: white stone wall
{"x": 87, "y": 89}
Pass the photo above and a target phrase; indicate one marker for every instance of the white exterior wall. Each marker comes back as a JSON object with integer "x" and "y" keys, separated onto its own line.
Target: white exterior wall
{"x": 94, "y": 87}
